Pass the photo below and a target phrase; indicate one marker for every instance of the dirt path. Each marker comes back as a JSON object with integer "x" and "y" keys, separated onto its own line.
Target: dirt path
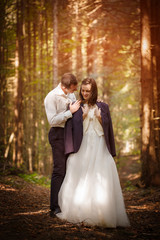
{"x": 24, "y": 212}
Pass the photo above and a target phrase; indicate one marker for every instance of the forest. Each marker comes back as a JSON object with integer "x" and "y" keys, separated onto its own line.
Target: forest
{"x": 117, "y": 42}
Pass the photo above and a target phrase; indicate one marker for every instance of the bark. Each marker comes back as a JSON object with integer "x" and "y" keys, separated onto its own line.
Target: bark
{"x": 90, "y": 51}
{"x": 150, "y": 170}
{"x": 47, "y": 46}
{"x": 55, "y": 43}
{"x": 2, "y": 81}
{"x": 29, "y": 116}
{"x": 34, "y": 123}
{"x": 146, "y": 80}
{"x": 19, "y": 91}
{"x": 78, "y": 41}
{"x": 155, "y": 38}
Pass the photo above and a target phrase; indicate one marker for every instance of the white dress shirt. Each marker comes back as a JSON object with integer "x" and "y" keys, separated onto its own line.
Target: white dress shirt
{"x": 56, "y": 104}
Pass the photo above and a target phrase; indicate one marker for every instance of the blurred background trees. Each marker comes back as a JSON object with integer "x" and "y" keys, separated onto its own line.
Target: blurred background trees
{"x": 41, "y": 40}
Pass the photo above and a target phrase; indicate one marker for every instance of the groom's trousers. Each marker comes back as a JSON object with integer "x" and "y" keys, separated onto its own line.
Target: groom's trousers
{"x": 56, "y": 139}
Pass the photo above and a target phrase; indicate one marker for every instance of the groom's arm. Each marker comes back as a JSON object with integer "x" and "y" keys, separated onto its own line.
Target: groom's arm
{"x": 54, "y": 117}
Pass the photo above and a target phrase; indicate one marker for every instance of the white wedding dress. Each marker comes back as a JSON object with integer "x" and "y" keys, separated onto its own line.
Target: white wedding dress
{"x": 91, "y": 191}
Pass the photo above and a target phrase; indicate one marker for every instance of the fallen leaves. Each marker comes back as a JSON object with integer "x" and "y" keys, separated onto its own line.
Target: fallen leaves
{"x": 25, "y": 215}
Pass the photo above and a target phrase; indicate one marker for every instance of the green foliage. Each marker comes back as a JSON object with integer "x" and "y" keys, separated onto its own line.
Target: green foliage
{"x": 68, "y": 45}
{"x": 129, "y": 186}
{"x": 36, "y": 178}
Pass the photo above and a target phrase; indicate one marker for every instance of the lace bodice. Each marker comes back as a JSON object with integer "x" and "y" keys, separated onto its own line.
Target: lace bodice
{"x": 91, "y": 123}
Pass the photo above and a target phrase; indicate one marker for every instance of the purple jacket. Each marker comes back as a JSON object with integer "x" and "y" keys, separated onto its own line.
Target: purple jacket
{"x": 74, "y": 130}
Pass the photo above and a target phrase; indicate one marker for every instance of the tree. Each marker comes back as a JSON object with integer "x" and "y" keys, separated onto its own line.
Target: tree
{"x": 20, "y": 81}
{"x": 55, "y": 43}
{"x": 3, "y": 80}
{"x": 149, "y": 86}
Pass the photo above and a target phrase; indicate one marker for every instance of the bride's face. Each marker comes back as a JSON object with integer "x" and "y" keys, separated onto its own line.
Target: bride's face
{"x": 86, "y": 91}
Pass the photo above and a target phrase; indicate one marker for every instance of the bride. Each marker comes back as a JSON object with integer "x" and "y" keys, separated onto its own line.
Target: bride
{"x": 91, "y": 191}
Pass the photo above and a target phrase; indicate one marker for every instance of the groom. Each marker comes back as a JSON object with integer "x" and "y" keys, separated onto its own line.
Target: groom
{"x": 59, "y": 107}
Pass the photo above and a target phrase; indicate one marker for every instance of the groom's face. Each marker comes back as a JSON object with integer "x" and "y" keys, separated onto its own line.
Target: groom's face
{"x": 71, "y": 89}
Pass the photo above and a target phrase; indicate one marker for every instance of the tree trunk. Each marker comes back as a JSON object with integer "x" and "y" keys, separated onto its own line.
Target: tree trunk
{"x": 29, "y": 116}
{"x": 2, "y": 81}
{"x": 155, "y": 30}
{"x": 155, "y": 39}
{"x": 78, "y": 42}
{"x": 34, "y": 123}
{"x": 150, "y": 169}
{"x": 55, "y": 43}
{"x": 90, "y": 51}
{"x": 19, "y": 95}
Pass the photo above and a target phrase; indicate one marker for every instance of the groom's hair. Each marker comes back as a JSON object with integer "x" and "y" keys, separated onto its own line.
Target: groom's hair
{"x": 94, "y": 90}
{"x": 68, "y": 79}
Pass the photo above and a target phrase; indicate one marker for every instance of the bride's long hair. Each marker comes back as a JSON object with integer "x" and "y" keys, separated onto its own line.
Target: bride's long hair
{"x": 94, "y": 90}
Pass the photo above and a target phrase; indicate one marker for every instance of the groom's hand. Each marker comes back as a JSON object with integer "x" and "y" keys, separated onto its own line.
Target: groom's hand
{"x": 75, "y": 106}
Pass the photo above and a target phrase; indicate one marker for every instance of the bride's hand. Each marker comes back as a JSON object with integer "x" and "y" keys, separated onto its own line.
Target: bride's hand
{"x": 85, "y": 111}
{"x": 97, "y": 113}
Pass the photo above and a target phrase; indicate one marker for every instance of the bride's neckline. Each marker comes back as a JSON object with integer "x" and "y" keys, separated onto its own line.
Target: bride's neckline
{"x": 90, "y": 106}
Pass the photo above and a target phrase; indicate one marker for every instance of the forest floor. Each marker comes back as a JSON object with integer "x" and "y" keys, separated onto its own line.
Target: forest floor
{"x": 24, "y": 211}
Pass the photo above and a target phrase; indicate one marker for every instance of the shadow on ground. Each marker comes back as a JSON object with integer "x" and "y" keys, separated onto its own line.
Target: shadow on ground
{"x": 24, "y": 211}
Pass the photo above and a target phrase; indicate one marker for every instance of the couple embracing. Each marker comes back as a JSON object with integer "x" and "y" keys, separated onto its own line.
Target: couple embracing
{"x": 85, "y": 185}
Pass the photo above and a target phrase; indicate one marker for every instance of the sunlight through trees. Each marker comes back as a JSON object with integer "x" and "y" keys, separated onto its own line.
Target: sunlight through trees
{"x": 41, "y": 40}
